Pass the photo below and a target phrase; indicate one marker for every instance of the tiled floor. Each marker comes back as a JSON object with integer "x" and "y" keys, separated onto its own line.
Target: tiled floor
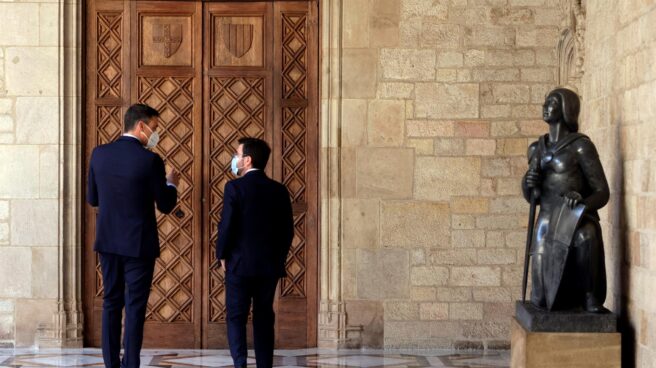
{"x": 283, "y": 358}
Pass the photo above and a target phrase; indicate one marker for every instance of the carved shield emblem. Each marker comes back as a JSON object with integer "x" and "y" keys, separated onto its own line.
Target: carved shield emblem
{"x": 237, "y": 38}
{"x": 167, "y": 38}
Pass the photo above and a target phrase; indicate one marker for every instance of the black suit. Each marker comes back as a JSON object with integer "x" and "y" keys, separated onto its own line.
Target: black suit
{"x": 125, "y": 182}
{"x": 255, "y": 234}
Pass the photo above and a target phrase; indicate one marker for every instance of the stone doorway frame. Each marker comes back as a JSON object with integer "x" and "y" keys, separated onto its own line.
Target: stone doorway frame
{"x": 66, "y": 329}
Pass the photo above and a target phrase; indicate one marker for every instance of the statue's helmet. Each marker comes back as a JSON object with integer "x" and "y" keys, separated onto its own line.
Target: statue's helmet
{"x": 571, "y": 106}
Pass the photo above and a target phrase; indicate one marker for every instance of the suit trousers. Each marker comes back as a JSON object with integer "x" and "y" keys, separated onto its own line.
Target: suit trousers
{"x": 127, "y": 283}
{"x": 240, "y": 292}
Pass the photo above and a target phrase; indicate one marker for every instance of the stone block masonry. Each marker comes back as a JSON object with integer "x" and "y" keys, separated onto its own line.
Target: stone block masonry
{"x": 445, "y": 97}
{"x": 619, "y": 86}
{"x": 29, "y": 168}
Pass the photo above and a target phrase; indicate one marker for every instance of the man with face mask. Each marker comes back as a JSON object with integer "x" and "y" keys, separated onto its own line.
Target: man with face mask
{"x": 126, "y": 180}
{"x": 255, "y": 234}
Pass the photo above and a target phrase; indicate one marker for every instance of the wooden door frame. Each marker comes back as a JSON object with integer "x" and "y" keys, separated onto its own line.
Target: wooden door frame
{"x": 86, "y": 297}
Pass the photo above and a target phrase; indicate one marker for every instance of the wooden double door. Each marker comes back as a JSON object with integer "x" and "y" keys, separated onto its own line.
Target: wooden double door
{"x": 216, "y": 71}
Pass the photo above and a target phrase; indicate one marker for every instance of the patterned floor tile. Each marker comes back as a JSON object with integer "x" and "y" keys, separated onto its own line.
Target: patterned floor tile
{"x": 197, "y": 361}
{"x": 365, "y": 361}
{"x": 59, "y": 360}
{"x": 301, "y": 358}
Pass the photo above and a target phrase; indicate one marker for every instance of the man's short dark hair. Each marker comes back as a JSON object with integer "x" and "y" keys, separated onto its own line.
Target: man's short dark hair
{"x": 136, "y": 113}
{"x": 258, "y": 150}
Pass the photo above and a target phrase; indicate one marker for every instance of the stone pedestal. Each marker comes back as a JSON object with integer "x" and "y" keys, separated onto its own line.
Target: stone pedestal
{"x": 532, "y": 348}
{"x": 537, "y": 320}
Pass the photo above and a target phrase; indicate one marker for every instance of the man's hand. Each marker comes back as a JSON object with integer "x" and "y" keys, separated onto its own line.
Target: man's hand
{"x": 173, "y": 177}
{"x": 223, "y": 264}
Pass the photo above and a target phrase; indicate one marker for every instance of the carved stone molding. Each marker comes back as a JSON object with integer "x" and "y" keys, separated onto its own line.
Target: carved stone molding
{"x": 571, "y": 46}
{"x": 66, "y": 329}
{"x": 334, "y": 332}
{"x": 333, "y": 329}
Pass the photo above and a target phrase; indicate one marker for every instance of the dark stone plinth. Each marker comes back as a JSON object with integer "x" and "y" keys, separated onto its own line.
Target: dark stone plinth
{"x": 534, "y": 319}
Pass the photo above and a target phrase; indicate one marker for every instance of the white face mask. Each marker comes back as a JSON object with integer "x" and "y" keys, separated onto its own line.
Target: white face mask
{"x": 233, "y": 165}
{"x": 153, "y": 139}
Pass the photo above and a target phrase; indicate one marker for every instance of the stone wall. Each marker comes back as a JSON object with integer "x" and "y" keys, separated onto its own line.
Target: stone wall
{"x": 618, "y": 104}
{"x": 29, "y": 172}
{"x": 440, "y": 101}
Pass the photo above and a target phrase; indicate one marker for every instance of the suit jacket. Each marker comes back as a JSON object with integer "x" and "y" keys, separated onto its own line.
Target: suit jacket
{"x": 125, "y": 182}
{"x": 257, "y": 226}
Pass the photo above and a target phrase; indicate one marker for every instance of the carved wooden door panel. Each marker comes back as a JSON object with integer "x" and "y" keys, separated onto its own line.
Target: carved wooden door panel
{"x": 216, "y": 72}
{"x": 150, "y": 52}
{"x": 238, "y": 102}
{"x": 106, "y": 84}
{"x": 260, "y": 81}
{"x": 166, "y": 61}
{"x": 296, "y": 157}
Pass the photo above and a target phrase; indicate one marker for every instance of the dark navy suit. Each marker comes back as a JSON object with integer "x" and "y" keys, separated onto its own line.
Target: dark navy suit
{"x": 255, "y": 234}
{"x": 125, "y": 182}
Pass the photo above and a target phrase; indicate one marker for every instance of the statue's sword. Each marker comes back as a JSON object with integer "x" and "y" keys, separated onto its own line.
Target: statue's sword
{"x": 534, "y": 194}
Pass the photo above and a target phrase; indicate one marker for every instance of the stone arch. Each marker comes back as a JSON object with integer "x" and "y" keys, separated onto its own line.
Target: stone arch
{"x": 571, "y": 45}
{"x": 66, "y": 329}
{"x": 566, "y": 57}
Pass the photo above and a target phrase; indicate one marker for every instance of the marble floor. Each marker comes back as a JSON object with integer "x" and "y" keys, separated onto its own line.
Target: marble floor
{"x": 283, "y": 358}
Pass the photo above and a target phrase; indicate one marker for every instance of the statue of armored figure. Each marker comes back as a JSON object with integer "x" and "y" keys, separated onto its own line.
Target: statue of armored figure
{"x": 566, "y": 180}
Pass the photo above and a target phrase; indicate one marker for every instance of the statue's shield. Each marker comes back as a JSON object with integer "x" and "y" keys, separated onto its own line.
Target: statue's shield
{"x": 238, "y": 38}
{"x": 562, "y": 226}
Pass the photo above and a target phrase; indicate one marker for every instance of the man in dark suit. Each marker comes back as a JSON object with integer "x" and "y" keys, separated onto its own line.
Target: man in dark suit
{"x": 255, "y": 234}
{"x": 126, "y": 180}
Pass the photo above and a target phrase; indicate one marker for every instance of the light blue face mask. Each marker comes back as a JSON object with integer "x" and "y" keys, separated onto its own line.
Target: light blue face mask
{"x": 233, "y": 165}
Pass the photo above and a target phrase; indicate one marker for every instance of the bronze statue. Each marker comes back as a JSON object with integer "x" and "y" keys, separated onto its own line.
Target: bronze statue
{"x": 566, "y": 179}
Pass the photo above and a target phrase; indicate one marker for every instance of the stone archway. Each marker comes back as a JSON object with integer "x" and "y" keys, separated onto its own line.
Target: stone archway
{"x": 66, "y": 329}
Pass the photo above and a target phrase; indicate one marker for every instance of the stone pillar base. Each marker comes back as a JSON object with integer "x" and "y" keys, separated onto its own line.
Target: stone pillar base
{"x": 334, "y": 333}
{"x": 65, "y": 332}
{"x": 46, "y": 342}
{"x": 563, "y": 349}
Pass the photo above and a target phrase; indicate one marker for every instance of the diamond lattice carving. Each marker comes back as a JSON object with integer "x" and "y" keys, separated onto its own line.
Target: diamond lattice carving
{"x": 294, "y": 152}
{"x": 109, "y": 124}
{"x": 294, "y": 283}
{"x": 109, "y": 128}
{"x": 237, "y": 108}
{"x": 294, "y": 56}
{"x": 108, "y": 55}
{"x": 294, "y": 142}
{"x": 172, "y": 297}
{"x": 99, "y": 283}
